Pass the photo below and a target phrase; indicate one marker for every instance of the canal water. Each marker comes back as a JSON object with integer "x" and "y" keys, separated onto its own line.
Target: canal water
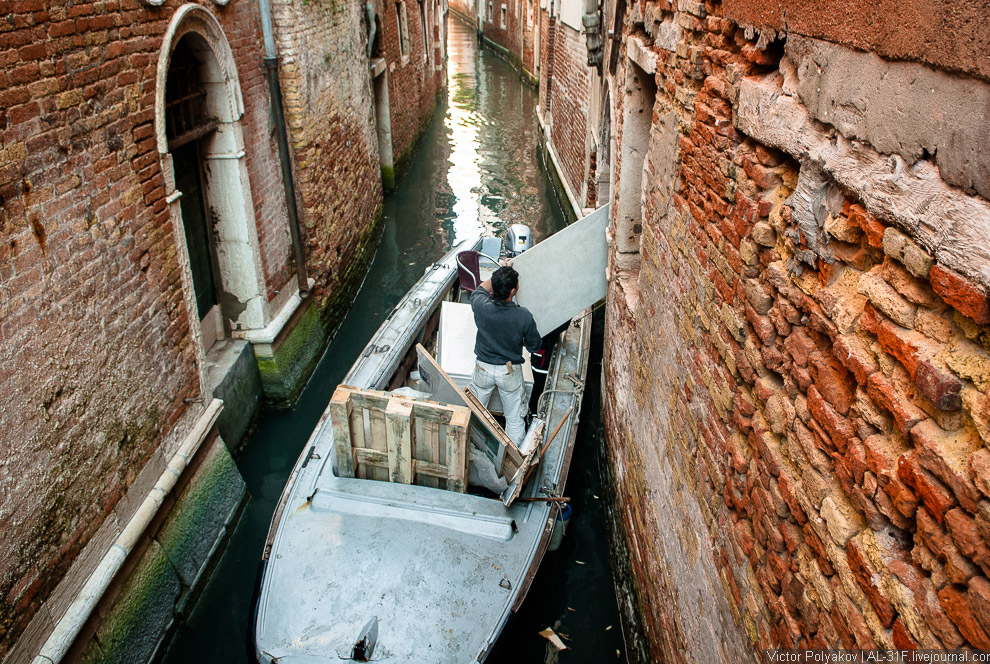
{"x": 476, "y": 170}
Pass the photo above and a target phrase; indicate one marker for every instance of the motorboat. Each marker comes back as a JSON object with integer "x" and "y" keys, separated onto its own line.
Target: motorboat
{"x": 380, "y": 548}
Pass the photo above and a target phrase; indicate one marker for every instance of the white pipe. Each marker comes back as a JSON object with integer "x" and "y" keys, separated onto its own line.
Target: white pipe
{"x": 70, "y": 624}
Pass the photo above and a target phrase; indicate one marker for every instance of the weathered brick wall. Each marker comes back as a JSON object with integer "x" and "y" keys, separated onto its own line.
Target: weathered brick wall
{"x": 413, "y": 80}
{"x": 531, "y": 13}
{"x": 547, "y": 27}
{"x": 330, "y": 115}
{"x": 95, "y": 345}
{"x": 798, "y": 354}
{"x": 464, "y": 8}
{"x": 507, "y": 37}
{"x": 568, "y": 104}
{"x": 96, "y": 352}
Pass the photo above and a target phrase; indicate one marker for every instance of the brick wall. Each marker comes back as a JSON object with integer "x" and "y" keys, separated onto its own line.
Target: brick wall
{"x": 96, "y": 351}
{"x": 413, "y": 80}
{"x": 798, "y": 363}
{"x": 547, "y": 27}
{"x": 566, "y": 97}
{"x": 330, "y": 115}
{"x": 95, "y": 344}
{"x": 531, "y": 14}
{"x": 507, "y": 37}
{"x": 464, "y": 8}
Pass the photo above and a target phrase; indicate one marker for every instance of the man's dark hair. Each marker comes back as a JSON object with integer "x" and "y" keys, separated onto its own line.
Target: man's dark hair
{"x": 503, "y": 281}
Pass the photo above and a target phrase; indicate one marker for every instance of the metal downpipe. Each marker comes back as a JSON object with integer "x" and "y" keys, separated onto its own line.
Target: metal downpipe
{"x": 288, "y": 183}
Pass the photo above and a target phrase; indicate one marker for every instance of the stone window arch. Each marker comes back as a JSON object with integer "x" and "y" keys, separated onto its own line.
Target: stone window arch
{"x": 195, "y": 35}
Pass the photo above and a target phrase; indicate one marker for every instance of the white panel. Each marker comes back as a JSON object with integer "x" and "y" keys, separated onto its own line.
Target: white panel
{"x": 564, "y": 274}
{"x": 570, "y": 13}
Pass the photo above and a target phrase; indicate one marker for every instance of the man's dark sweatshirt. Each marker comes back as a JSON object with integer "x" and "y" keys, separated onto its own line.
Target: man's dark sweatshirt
{"x": 503, "y": 329}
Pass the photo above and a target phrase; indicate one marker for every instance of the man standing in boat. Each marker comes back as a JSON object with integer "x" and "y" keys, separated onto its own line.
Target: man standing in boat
{"x": 503, "y": 329}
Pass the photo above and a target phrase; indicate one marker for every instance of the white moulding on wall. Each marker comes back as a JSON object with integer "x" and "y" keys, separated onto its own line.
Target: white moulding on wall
{"x": 267, "y": 335}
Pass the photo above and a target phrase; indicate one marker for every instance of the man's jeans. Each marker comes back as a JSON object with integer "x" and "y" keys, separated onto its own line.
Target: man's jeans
{"x": 511, "y": 390}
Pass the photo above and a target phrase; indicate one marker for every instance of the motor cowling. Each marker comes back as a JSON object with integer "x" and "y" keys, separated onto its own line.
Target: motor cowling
{"x": 518, "y": 239}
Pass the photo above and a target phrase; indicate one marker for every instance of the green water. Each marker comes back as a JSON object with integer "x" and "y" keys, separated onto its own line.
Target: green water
{"x": 476, "y": 170}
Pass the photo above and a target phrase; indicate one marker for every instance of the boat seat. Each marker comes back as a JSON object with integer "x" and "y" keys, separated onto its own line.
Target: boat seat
{"x": 469, "y": 268}
{"x": 472, "y": 515}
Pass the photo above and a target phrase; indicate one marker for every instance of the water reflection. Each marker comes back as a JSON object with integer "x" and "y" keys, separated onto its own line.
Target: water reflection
{"x": 493, "y": 173}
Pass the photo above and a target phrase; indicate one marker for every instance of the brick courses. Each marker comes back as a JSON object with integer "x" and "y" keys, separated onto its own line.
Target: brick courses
{"x": 414, "y": 80}
{"x": 97, "y": 356}
{"x": 799, "y": 449}
{"x": 567, "y": 105}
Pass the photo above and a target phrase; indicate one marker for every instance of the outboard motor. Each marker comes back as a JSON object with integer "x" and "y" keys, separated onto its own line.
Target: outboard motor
{"x": 517, "y": 239}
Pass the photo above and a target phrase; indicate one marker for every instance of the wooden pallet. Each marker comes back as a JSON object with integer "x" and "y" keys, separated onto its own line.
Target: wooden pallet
{"x": 394, "y": 439}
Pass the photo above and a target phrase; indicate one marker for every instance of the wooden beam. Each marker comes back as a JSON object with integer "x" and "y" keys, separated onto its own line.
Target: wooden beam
{"x": 398, "y": 432}
{"x": 340, "y": 415}
{"x": 457, "y": 451}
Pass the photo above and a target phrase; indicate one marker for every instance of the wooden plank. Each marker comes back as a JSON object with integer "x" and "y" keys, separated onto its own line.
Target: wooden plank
{"x": 369, "y": 400}
{"x": 438, "y": 414}
{"x": 357, "y": 428}
{"x": 340, "y": 423}
{"x": 373, "y": 459}
{"x": 431, "y": 451}
{"x": 484, "y": 428}
{"x": 398, "y": 435}
{"x": 432, "y": 470}
{"x": 457, "y": 451}
{"x": 377, "y": 429}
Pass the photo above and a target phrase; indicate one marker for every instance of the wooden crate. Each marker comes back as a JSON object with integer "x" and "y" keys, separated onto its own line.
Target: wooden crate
{"x": 394, "y": 439}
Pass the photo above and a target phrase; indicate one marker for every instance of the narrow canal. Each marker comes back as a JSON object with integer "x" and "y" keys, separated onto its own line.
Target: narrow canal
{"x": 477, "y": 170}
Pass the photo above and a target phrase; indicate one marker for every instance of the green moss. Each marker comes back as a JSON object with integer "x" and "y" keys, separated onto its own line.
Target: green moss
{"x": 199, "y": 519}
{"x": 388, "y": 178}
{"x": 284, "y": 373}
{"x": 134, "y": 627}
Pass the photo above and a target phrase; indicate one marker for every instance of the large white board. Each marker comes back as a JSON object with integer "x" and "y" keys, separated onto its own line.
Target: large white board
{"x": 563, "y": 275}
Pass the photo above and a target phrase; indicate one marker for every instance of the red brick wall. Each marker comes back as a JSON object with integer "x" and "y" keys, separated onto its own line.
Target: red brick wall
{"x": 531, "y": 14}
{"x": 329, "y": 112}
{"x": 464, "y": 8}
{"x": 95, "y": 343}
{"x": 412, "y": 87}
{"x": 546, "y": 62}
{"x": 798, "y": 443}
{"x": 945, "y": 34}
{"x": 507, "y": 37}
{"x": 568, "y": 105}
{"x": 96, "y": 354}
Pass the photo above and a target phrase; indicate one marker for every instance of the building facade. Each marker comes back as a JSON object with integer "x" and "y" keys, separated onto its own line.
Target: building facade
{"x": 797, "y": 359}
{"x": 512, "y": 28}
{"x": 169, "y": 259}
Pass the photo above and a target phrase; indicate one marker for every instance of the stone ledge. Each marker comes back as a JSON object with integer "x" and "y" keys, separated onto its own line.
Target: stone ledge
{"x": 270, "y": 332}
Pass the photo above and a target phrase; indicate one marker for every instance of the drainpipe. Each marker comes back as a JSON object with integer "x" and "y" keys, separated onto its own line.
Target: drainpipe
{"x": 369, "y": 12}
{"x": 275, "y": 92}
